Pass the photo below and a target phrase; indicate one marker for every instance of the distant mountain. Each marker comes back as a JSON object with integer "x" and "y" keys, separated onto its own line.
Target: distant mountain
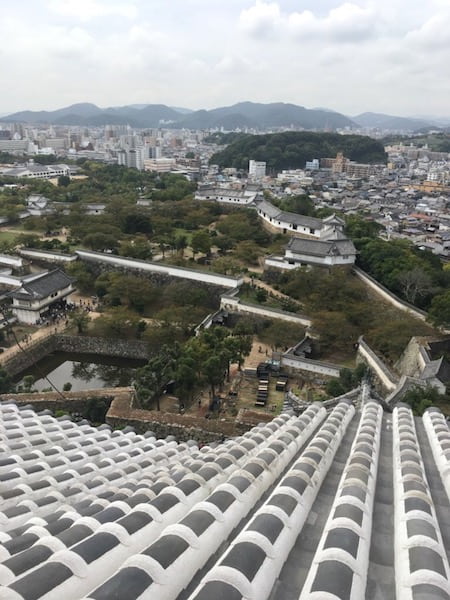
{"x": 265, "y": 116}
{"x": 391, "y": 123}
{"x": 239, "y": 116}
{"x": 80, "y": 111}
{"x": 183, "y": 111}
{"x": 149, "y": 115}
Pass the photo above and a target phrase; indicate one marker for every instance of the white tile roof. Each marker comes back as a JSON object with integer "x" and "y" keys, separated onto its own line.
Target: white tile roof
{"x": 301, "y": 507}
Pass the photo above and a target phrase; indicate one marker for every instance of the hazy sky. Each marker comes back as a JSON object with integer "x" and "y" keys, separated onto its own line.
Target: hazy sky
{"x": 377, "y": 55}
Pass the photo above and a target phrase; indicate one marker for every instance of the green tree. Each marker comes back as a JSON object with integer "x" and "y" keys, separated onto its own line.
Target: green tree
{"x": 300, "y": 204}
{"x": 186, "y": 377}
{"x": 137, "y": 222}
{"x": 201, "y": 242}
{"x": 118, "y": 322}
{"x": 248, "y": 252}
{"x": 181, "y": 243}
{"x": 27, "y": 383}
{"x": 439, "y": 312}
{"x": 261, "y": 295}
{"x": 80, "y": 319}
{"x": 214, "y": 369}
{"x": 63, "y": 181}
{"x": 6, "y": 384}
{"x": 139, "y": 247}
{"x": 419, "y": 399}
{"x": 357, "y": 227}
{"x": 150, "y": 379}
{"x": 100, "y": 241}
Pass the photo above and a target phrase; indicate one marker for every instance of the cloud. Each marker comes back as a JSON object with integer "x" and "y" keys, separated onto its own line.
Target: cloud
{"x": 203, "y": 54}
{"x": 261, "y": 20}
{"x": 350, "y": 22}
{"x": 233, "y": 64}
{"x": 346, "y": 23}
{"x": 85, "y": 10}
{"x": 433, "y": 33}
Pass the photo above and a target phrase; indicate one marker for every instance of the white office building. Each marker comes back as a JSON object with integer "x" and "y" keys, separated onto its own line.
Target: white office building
{"x": 256, "y": 169}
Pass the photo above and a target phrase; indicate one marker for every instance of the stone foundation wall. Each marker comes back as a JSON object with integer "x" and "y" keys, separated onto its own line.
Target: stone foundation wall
{"x": 182, "y": 427}
{"x": 70, "y": 402}
{"x": 32, "y": 354}
{"x": 122, "y": 413}
{"x": 102, "y": 346}
{"x": 411, "y": 362}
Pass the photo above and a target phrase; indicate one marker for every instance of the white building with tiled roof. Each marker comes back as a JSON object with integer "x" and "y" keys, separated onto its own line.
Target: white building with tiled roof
{"x": 287, "y": 222}
{"x": 243, "y": 197}
{"x": 326, "y": 253}
{"x": 37, "y": 293}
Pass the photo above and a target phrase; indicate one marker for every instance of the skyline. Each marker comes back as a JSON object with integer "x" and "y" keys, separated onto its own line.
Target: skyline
{"x": 392, "y": 56}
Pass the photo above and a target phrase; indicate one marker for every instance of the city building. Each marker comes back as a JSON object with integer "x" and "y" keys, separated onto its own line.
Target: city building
{"x": 37, "y": 171}
{"x": 256, "y": 169}
{"x": 160, "y": 165}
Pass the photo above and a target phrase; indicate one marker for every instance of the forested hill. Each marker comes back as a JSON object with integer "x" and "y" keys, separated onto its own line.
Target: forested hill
{"x": 291, "y": 149}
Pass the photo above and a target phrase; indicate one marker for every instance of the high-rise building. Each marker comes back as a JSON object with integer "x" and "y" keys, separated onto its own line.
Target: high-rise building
{"x": 256, "y": 169}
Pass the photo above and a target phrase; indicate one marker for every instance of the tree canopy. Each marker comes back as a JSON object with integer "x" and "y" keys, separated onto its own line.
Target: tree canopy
{"x": 204, "y": 359}
{"x": 291, "y": 149}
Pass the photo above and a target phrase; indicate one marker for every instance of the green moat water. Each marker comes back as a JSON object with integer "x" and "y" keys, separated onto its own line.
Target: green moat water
{"x": 82, "y": 371}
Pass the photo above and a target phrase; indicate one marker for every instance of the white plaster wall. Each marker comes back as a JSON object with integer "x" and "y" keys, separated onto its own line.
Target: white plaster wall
{"x": 374, "y": 363}
{"x": 280, "y": 263}
{"x": 280, "y": 225}
{"x": 10, "y": 280}
{"x": 26, "y": 316}
{"x": 41, "y": 254}
{"x": 390, "y": 297}
{"x": 152, "y": 267}
{"x": 309, "y": 365}
{"x": 234, "y": 305}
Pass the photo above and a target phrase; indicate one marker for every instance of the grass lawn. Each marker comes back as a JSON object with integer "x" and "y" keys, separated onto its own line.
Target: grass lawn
{"x": 180, "y": 231}
{"x": 8, "y": 236}
{"x": 248, "y": 294}
{"x": 20, "y": 228}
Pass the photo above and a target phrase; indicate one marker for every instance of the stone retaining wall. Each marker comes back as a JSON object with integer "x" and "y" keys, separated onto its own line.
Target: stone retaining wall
{"x": 31, "y": 354}
{"x": 122, "y": 413}
{"x": 70, "y": 402}
{"x": 103, "y": 346}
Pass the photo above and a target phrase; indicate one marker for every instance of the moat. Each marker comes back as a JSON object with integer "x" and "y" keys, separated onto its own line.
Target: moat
{"x": 82, "y": 371}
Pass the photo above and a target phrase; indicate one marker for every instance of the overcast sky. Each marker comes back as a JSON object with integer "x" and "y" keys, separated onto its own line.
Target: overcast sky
{"x": 388, "y": 56}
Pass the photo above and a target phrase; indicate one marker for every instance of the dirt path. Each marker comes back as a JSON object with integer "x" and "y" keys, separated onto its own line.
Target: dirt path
{"x": 32, "y": 338}
{"x": 260, "y": 352}
{"x": 46, "y": 331}
{"x": 267, "y": 287}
